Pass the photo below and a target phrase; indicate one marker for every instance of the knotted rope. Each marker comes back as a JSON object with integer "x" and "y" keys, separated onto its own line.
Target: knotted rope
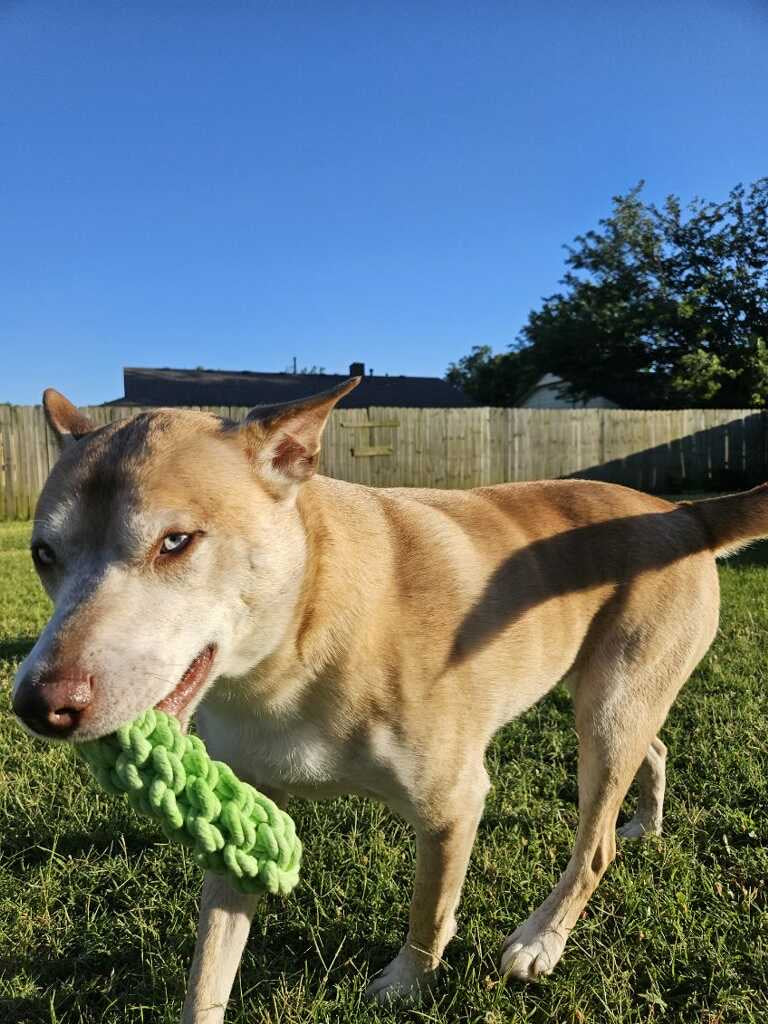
{"x": 232, "y": 828}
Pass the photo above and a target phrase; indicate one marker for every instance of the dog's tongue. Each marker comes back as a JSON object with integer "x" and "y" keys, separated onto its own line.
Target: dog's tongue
{"x": 189, "y": 684}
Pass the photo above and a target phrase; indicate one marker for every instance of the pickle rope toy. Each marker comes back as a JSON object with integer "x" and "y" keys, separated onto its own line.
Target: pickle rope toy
{"x": 231, "y": 828}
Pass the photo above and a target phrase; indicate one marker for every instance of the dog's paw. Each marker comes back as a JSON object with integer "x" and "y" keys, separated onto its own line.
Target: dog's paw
{"x": 639, "y": 827}
{"x": 530, "y": 952}
{"x": 403, "y": 980}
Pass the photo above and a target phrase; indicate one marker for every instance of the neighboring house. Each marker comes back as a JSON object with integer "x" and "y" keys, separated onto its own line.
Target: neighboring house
{"x": 548, "y": 393}
{"x": 162, "y": 386}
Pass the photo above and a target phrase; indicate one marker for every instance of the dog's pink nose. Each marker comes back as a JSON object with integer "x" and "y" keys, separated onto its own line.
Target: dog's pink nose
{"x": 53, "y": 703}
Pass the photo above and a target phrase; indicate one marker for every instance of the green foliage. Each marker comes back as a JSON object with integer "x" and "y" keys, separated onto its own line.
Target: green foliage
{"x": 97, "y": 917}
{"x": 494, "y": 378}
{"x": 660, "y": 307}
{"x": 699, "y": 376}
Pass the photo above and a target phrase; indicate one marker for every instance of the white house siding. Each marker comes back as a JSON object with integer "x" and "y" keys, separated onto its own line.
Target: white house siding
{"x": 546, "y": 394}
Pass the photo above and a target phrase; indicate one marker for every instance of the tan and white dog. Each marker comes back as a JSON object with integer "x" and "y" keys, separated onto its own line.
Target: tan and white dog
{"x": 334, "y": 638}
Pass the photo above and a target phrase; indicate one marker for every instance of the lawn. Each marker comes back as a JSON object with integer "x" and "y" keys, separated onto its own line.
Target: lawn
{"x": 97, "y": 912}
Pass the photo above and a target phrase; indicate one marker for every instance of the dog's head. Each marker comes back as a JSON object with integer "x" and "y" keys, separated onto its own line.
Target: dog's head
{"x": 173, "y": 551}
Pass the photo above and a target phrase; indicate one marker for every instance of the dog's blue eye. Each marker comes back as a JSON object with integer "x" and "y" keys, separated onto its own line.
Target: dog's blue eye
{"x": 173, "y": 543}
{"x": 43, "y": 554}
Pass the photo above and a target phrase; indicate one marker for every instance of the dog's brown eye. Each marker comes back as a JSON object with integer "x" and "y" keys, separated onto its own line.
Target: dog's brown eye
{"x": 173, "y": 543}
{"x": 43, "y": 554}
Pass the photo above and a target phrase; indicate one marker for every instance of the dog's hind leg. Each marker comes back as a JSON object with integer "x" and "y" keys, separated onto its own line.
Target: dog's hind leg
{"x": 651, "y": 781}
{"x": 619, "y": 706}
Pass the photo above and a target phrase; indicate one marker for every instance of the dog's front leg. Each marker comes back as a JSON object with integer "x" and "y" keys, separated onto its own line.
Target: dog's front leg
{"x": 442, "y": 855}
{"x": 225, "y": 920}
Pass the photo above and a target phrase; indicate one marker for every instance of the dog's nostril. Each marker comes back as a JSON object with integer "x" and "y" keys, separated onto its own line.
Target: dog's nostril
{"x": 64, "y": 718}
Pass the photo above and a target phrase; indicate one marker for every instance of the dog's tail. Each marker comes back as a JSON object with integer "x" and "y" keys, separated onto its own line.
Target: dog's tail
{"x": 733, "y": 521}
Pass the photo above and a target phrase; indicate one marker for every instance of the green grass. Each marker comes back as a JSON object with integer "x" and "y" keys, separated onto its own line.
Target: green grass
{"x": 97, "y": 913}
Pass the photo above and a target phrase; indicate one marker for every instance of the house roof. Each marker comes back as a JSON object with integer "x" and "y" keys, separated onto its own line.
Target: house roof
{"x": 165, "y": 386}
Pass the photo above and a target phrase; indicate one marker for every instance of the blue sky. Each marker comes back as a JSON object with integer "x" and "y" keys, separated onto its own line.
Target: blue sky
{"x": 232, "y": 184}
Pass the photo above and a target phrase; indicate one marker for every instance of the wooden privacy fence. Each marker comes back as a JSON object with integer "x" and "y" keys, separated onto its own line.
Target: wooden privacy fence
{"x": 661, "y": 451}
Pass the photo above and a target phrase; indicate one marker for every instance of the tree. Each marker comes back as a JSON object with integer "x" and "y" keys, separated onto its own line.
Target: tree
{"x": 660, "y": 307}
{"x": 493, "y": 379}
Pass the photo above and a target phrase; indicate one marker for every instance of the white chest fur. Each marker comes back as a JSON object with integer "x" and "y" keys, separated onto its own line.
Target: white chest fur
{"x": 305, "y": 758}
{"x": 292, "y": 753}
{"x": 286, "y": 752}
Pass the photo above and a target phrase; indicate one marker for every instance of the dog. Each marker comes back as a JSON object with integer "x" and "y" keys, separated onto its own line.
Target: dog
{"x": 333, "y": 638}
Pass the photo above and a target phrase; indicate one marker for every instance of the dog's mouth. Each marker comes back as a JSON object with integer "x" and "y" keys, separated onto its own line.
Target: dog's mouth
{"x": 190, "y": 683}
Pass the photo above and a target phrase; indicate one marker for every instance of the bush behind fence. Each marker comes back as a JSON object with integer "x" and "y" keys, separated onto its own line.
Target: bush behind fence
{"x": 661, "y": 451}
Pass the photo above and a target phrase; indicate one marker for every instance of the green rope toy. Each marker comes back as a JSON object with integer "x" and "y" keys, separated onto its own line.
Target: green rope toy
{"x": 232, "y": 828}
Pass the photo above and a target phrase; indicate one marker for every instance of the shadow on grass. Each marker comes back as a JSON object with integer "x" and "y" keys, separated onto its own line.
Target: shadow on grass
{"x": 90, "y": 983}
{"x": 16, "y": 649}
{"x": 94, "y": 983}
{"x": 36, "y": 849}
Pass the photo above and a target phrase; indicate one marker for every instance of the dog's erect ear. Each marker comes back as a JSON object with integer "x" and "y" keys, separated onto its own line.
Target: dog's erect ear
{"x": 64, "y": 419}
{"x": 285, "y": 439}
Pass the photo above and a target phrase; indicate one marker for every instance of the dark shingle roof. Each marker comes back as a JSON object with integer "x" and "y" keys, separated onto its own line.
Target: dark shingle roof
{"x": 163, "y": 386}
